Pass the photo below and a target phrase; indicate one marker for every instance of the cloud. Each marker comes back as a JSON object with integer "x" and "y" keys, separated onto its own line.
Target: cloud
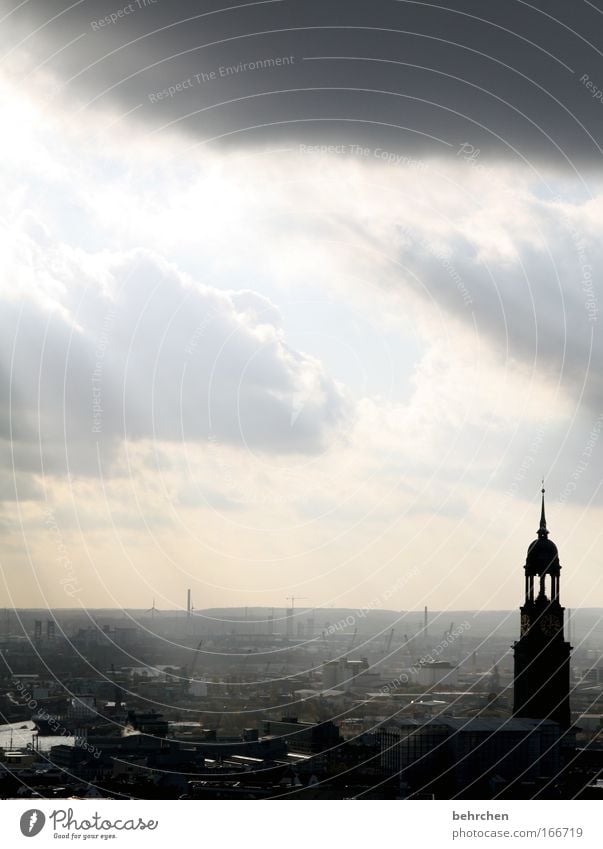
{"x": 516, "y": 263}
{"x": 496, "y": 273}
{"x": 416, "y": 77}
{"x": 126, "y": 346}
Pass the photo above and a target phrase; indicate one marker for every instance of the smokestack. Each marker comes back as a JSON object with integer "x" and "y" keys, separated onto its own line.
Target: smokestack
{"x": 425, "y": 620}
{"x": 188, "y": 603}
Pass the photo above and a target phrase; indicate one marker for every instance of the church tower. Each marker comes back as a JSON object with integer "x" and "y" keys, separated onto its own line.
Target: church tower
{"x": 542, "y": 673}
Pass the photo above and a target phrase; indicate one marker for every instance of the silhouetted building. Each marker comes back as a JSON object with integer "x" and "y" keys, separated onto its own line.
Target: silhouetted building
{"x": 307, "y": 737}
{"x": 542, "y": 673}
{"x": 447, "y": 756}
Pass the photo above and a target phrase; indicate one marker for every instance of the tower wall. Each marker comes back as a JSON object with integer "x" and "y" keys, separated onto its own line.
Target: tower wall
{"x": 542, "y": 680}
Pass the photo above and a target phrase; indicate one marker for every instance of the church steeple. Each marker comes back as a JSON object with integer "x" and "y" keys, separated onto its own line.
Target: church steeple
{"x": 542, "y": 530}
{"x": 541, "y": 687}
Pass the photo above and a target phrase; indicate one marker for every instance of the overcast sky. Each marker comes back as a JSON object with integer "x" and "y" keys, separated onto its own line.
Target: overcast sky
{"x": 299, "y": 298}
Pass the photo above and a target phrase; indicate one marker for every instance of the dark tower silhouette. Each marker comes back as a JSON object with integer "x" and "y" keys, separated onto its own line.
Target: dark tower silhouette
{"x": 542, "y": 679}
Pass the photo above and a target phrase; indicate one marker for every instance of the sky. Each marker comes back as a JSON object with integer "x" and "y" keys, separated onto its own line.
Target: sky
{"x": 299, "y": 299}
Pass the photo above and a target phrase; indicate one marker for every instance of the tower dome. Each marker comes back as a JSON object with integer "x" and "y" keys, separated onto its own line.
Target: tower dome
{"x": 543, "y": 556}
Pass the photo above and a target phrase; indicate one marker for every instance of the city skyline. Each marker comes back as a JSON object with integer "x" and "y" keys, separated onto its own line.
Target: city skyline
{"x": 181, "y": 707}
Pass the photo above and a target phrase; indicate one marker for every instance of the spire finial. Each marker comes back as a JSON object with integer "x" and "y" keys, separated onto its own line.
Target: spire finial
{"x": 542, "y": 531}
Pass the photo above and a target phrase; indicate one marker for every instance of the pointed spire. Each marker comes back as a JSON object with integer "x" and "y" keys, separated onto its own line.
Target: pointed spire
{"x": 542, "y": 530}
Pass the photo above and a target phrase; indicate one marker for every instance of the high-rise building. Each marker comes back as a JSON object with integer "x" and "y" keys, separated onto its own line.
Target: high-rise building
{"x": 542, "y": 673}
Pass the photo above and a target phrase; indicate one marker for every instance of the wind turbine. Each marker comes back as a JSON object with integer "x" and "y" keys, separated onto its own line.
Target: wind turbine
{"x": 152, "y": 610}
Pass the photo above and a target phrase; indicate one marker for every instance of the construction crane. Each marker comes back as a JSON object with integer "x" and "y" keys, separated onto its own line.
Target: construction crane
{"x": 289, "y": 619}
{"x": 294, "y": 598}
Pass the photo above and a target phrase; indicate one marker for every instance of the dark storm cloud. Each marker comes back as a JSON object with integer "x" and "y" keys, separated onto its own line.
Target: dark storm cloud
{"x": 515, "y": 78}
